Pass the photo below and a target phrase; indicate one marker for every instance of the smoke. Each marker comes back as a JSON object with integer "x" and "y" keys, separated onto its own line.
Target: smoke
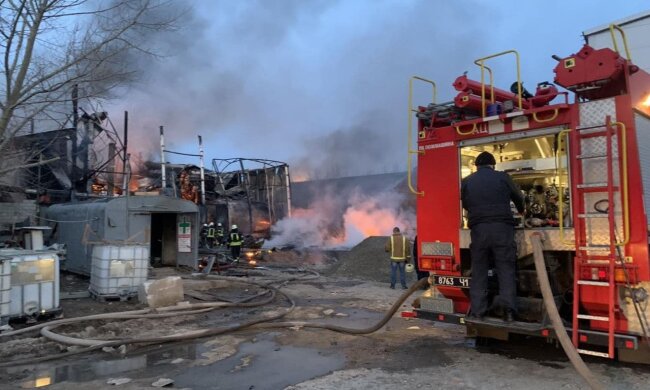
{"x": 343, "y": 221}
{"x": 321, "y": 84}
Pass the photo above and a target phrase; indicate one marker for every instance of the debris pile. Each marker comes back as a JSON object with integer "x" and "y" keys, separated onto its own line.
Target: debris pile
{"x": 367, "y": 261}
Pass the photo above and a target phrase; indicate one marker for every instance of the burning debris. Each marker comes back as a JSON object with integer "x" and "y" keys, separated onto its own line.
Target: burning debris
{"x": 343, "y": 221}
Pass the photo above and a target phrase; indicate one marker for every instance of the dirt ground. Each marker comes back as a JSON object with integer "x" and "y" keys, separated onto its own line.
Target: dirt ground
{"x": 405, "y": 353}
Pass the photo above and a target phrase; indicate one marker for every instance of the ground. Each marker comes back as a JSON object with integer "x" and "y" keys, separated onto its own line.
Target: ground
{"x": 405, "y": 353}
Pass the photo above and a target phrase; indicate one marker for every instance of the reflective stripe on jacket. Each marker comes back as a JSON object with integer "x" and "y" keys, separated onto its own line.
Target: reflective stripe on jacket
{"x": 398, "y": 246}
{"x": 211, "y": 232}
{"x": 235, "y": 239}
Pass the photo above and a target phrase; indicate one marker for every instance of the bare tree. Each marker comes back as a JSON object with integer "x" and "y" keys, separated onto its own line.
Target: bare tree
{"x": 49, "y": 46}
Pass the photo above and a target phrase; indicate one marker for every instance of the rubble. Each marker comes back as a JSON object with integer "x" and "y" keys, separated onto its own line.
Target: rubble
{"x": 163, "y": 382}
{"x": 163, "y": 292}
{"x": 118, "y": 381}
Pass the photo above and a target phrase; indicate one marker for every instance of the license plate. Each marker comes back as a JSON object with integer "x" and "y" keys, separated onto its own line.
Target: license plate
{"x": 451, "y": 281}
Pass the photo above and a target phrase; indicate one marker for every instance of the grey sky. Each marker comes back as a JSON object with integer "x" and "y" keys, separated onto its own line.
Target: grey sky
{"x": 323, "y": 84}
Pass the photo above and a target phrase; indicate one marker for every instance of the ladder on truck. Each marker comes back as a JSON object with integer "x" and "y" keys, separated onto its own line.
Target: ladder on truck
{"x": 597, "y": 175}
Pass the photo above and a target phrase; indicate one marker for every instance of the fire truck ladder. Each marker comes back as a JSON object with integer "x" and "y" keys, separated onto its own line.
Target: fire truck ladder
{"x": 597, "y": 147}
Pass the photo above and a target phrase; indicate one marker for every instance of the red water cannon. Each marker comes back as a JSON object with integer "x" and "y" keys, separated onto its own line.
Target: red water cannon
{"x": 593, "y": 73}
{"x": 543, "y": 95}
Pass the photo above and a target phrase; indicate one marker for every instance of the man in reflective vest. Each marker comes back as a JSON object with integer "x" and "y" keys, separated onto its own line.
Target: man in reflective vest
{"x": 220, "y": 233}
{"x": 211, "y": 233}
{"x": 399, "y": 248}
{"x": 234, "y": 241}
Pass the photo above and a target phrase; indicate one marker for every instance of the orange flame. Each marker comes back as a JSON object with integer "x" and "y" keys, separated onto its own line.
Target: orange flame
{"x": 299, "y": 175}
{"x": 646, "y": 102}
{"x": 133, "y": 184}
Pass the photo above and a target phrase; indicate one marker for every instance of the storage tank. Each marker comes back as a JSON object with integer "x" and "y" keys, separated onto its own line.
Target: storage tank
{"x": 34, "y": 282}
{"x": 118, "y": 270}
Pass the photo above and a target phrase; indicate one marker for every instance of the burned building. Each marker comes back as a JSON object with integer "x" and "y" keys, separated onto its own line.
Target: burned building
{"x": 251, "y": 193}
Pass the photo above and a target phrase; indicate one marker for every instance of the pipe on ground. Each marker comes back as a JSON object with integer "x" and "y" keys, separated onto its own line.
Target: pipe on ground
{"x": 554, "y": 315}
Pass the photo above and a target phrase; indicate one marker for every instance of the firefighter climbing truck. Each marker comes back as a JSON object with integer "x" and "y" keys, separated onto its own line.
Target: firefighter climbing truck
{"x": 581, "y": 156}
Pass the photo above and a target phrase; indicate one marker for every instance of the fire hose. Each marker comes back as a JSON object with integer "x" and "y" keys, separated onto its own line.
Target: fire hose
{"x": 93, "y": 345}
{"x": 266, "y": 322}
{"x": 554, "y": 315}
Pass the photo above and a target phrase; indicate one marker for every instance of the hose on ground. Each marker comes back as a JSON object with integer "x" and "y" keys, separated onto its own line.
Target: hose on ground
{"x": 93, "y": 345}
{"x": 162, "y": 339}
{"x": 354, "y": 331}
{"x": 160, "y": 312}
{"x": 554, "y": 315}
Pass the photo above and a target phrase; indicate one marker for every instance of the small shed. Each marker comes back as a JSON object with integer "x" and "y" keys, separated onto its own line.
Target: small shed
{"x": 169, "y": 226}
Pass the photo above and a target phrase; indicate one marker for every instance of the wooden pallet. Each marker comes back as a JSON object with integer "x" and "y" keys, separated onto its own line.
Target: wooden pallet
{"x": 112, "y": 297}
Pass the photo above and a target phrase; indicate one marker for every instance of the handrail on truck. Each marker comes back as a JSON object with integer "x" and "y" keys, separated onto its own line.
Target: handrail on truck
{"x": 561, "y": 136}
{"x": 491, "y": 74}
{"x": 409, "y": 160}
{"x": 624, "y": 193}
{"x": 613, "y": 27}
{"x": 481, "y": 63}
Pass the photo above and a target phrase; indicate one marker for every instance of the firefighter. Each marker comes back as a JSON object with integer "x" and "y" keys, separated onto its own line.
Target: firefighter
{"x": 210, "y": 236}
{"x": 398, "y": 247}
{"x": 220, "y": 234}
{"x": 486, "y": 195}
{"x": 235, "y": 242}
{"x": 204, "y": 235}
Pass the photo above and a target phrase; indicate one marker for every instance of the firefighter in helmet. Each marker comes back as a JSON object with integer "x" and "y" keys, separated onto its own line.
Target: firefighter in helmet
{"x": 486, "y": 195}
{"x": 235, "y": 242}
{"x": 220, "y": 234}
{"x": 211, "y": 233}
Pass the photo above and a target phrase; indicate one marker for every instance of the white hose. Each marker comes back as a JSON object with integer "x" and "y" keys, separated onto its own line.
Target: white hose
{"x": 554, "y": 315}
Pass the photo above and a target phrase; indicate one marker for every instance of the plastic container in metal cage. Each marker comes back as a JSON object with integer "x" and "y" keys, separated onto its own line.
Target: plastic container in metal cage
{"x": 34, "y": 282}
{"x": 118, "y": 270}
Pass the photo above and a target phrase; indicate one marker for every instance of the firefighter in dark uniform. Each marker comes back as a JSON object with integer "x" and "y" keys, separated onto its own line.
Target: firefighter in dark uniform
{"x": 486, "y": 195}
{"x": 210, "y": 235}
{"x": 220, "y": 234}
{"x": 235, "y": 242}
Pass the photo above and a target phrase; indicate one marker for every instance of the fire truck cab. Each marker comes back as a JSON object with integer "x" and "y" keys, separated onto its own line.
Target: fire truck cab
{"x": 581, "y": 157}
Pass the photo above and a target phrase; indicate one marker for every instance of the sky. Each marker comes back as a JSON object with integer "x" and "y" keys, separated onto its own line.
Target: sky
{"x": 323, "y": 85}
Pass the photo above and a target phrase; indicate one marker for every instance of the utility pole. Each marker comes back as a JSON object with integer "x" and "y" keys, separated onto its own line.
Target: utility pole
{"x": 75, "y": 123}
{"x": 202, "y": 170}
{"x": 162, "y": 159}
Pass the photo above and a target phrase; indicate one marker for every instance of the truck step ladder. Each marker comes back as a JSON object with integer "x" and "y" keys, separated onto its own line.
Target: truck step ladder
{"x": 595, "y": 247}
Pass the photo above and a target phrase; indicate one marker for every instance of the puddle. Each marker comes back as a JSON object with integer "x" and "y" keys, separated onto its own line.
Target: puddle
{"x": 261, "y": 365}
{"x": 352, "y": 318}
{"x": 151, "y": 364}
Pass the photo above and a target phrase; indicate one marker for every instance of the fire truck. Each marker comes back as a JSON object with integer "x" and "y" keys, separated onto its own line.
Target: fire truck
{"x": 579, "y": 150}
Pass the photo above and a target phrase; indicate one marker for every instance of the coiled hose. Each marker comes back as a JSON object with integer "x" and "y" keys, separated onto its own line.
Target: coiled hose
{"x": 93, "y": 345}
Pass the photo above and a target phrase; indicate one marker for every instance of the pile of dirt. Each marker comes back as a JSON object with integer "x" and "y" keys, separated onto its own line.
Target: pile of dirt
{"x": 367, "y": 261}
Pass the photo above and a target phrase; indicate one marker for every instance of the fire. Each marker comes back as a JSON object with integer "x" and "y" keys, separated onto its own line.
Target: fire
{"x": 646, "y": 102}
{"x": 299, "y": 175}
{"x": 133, "y": 184}
{"x": 328, "y": 225}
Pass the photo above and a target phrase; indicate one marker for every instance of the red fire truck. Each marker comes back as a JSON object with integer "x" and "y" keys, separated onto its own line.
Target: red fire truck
{"x": 581, "y": 156}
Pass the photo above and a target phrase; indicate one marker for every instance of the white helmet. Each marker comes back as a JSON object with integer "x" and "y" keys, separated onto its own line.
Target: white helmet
{"x": 205, "y": 224}
{"x": 234, "y": 227}
{"x": 211, "y": 223}
{"x": 218, "y": 223}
